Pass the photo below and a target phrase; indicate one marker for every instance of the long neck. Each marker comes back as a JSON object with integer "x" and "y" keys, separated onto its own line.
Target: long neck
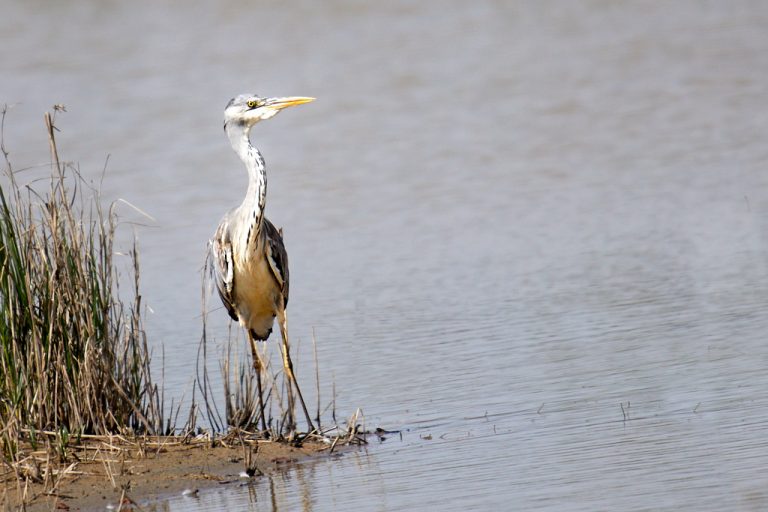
{"x": 252, "y": 207}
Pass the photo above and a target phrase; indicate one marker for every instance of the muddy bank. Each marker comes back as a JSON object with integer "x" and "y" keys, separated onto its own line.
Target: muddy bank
{"x": 101, "y": 473}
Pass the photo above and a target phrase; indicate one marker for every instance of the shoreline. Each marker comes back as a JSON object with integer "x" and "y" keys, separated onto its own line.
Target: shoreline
{"x": 159, "y": 470}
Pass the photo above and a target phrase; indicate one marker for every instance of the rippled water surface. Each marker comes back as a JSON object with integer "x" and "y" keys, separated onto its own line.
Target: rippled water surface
{"x": 532, "y": 236}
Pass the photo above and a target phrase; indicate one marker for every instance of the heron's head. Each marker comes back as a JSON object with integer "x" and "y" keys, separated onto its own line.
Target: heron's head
{"x": 248, "y": 109}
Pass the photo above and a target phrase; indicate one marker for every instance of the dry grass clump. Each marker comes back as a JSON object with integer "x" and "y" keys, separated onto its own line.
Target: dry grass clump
{"x": 242, "y": 416}
{"x": 73, "y": 353}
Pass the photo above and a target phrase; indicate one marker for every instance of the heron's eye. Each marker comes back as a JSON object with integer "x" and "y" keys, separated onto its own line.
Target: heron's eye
{"x": 254, "y": 103}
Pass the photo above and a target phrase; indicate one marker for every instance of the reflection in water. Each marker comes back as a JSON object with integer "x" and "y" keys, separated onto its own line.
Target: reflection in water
{"x": 303, "y": 486}
{"x": 306, "y": 486}
{"x": 506, "y": 221}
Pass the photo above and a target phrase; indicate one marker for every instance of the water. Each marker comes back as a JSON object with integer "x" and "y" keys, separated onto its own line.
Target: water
{"x": 531, "y": 236}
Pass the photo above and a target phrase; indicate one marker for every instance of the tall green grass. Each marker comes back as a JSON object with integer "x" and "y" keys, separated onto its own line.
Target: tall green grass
{"x": 73, "y": 351}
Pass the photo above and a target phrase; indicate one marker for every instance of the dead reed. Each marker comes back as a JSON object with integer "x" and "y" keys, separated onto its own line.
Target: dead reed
{"x": 74, "y": 358}
{"x": 241, "y": 416}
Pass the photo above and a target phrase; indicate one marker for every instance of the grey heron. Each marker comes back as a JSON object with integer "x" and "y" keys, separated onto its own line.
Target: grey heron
{"x": 250, "y": 264}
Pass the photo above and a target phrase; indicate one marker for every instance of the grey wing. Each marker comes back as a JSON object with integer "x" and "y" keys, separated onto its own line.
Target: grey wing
{"x": 223, "y": 268}
{"x": 277, "y": 257}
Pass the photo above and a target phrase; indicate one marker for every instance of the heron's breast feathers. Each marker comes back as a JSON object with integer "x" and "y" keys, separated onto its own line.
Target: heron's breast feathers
{"x": 251, "y": 275}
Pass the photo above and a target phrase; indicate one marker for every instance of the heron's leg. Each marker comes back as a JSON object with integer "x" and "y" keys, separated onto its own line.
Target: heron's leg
{"x": 290, "y": 377}
{"x": 258, "y": 366}
{"x": 288, "y": 364}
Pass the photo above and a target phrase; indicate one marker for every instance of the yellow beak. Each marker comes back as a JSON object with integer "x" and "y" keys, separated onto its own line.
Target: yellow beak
{"x": 290, "y": 101}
